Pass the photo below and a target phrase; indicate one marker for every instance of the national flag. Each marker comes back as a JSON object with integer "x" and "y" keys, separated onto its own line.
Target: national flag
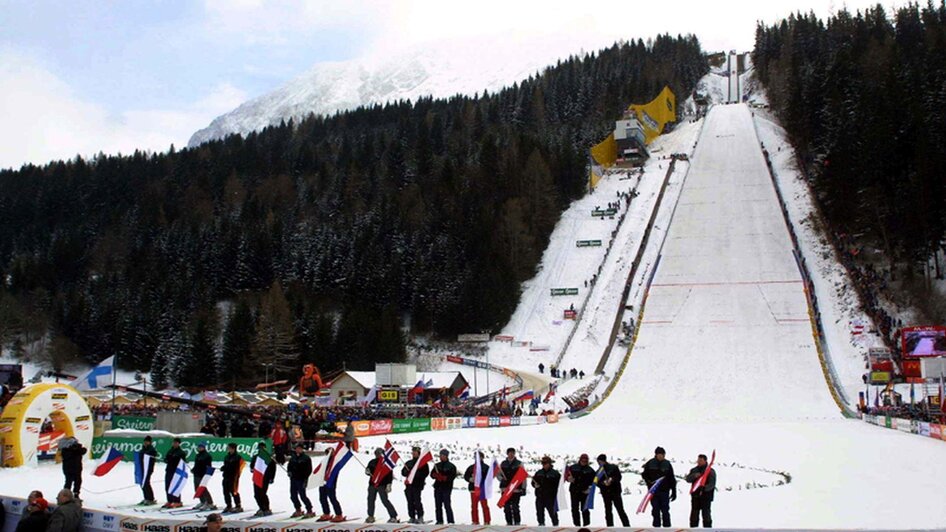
{"x": 642, "y": 507}
{"x": 236, "y": 481}
{"x": 590, "y": 499}
{"x": 526, "y": 396}
{"x": 340, "y": 457}
{"x": 438, "y": 402}
{"x": 109, "y": 460}
{"x": 561, "y": 494}
{"x": 204, "y": 482}
{"x": 142, "y": 466}
{"x": 517, "y": 480}
{"x": 386, "y": 464}
{"x": 178, "y": 480}
{"x": 464, "y": 390}
{"x": 97, "y": 377}
{"x": 478, "y": 476}
{"x": 372, "y": 395}
{"x": 259, "y": 468}
{"x": 318, "y": 472}
{"x": 419, "y": 387}
{"x": 490, "y": 481}
{"x": 552, "y": 389}
{"x": 425, "y": 457}
{"x": 702, "y": 480}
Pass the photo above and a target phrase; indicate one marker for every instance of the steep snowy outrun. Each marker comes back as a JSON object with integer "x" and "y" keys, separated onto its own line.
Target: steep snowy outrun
{"x": 726, "y": 316}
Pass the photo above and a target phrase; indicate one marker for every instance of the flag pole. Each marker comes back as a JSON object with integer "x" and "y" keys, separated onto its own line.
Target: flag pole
{"x": 114, "y": 373}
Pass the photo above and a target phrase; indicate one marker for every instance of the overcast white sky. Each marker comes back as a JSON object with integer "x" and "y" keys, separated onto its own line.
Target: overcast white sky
{"x": 88, "y": 76}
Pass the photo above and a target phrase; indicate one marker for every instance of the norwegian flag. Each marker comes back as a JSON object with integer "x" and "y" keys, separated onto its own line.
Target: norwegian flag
{"x": 702, "y": 480}
{"x": 642, "y": 507}
{"x": 386, "y": 464}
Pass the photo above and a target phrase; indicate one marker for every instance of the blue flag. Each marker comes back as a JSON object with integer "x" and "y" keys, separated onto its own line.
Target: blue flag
{"x": 97, "y": 377}
{"x": 179, "y": 479}
{"x": 142, "y": 465}
{"x": 590, "y": 501}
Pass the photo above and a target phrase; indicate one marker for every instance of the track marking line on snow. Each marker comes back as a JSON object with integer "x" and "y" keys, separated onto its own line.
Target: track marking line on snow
{"x": 728, "y": 283}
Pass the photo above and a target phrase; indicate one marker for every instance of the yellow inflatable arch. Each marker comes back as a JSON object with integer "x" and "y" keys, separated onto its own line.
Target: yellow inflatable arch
{"x": 22, "y": 420}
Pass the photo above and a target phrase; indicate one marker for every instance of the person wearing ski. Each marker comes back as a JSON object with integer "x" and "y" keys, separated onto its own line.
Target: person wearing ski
{"x": 230, "y": 472}
{"x": 702, "y": 498}
{"x": 299, "y": 469}
{"x": 146, "y": 491}
{"x": 415, "y": 507}
{"x": 260, "y": 493}
{"x": 474, "y": 496}
{"x": 328, "y": 495}
{"x": 172, "y": 459}
{"x": 443, "y": 473}
{"x": 580, "y": 476}
{"x": 610, "y": 485}
{"x": 507, "y": 470}
{"x": 72, "y": 465}
{"x": 545, "y": 482}
{"x": 655, "y": 469}
{"x": 382, "y": 490}
{"x": 202, "y": 463}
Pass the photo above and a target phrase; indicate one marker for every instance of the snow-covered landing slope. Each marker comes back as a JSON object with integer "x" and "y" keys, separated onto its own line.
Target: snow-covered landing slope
{"x": 726, "y": 332}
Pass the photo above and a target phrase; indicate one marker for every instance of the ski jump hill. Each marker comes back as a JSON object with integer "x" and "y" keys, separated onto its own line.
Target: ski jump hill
{"x": 724, "y": 359}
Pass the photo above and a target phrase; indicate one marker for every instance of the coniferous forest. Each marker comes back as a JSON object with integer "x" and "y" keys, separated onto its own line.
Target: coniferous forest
{"x": 314, "y": 241}
{"x": 863, "y": 98}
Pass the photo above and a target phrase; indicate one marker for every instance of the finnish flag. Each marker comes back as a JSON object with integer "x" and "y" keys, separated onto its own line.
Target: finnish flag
{"x": 97, "y": 377}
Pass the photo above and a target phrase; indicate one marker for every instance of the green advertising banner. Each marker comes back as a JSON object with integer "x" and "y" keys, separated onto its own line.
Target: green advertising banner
{"x": 401, "y": 426}
{"x": 217, "y": 447}
{"x": 133, "y": 422}
{"x": 420, "y": 425}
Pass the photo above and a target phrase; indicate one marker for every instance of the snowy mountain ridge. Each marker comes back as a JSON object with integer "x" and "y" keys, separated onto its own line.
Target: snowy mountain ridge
{"x": 445, "y": 69}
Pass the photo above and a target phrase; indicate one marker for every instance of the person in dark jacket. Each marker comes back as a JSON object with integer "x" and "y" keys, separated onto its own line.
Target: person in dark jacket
{"x": 68, "y": 514}
{"x": 475, "y": 498}
{"x": 702, "y": 498}
{"x": 148, "y": 450}
{"x": 580, "y": 476}
{"x": 545, "y": 481}
{"x": 72, "y": 465}
{"x": 381, "y": 490}
{"x": 172, "y": 459}
{"x": 299, "y": 469}
{"x": 609, "y": 482}
{"x": 655, "y": 469}
{"x": 415, "y": 507}
{"x": 443, "y": 473}
{"x": 508, "y": 470}
{"x": 203, "y": 463}
{"x": 36, "y": 518}
{"x": 231, "y": 473}
{"x": 269, "y": 475}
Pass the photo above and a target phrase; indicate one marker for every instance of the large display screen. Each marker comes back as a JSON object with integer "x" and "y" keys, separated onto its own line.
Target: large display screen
{"x": 924, "y": 341}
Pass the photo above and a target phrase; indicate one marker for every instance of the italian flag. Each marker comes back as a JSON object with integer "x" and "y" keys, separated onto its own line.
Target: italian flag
{"x": 259, "y": 467}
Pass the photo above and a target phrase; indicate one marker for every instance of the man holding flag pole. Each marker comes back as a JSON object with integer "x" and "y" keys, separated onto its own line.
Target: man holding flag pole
{"x": 415, "y": 471}
{"x": 703, "y": 480}
{"x": 381, "y": 471}
{"x": 580, "y": 477}
{"x": 479, "y": 476}
{"x": 144, "y": 466}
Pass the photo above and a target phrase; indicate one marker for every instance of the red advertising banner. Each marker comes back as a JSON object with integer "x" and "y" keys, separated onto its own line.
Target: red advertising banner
{"x": 380, "y": 426}
{"x": 482, "y": 422}
{"x": 503, "y": 338}
{"x": 454, "y": 359}
{"x": 912, "y": 368}
{"x": 570, "y": 314}
{"x": 505, "y": 421}
{"x": 936, "y": 431}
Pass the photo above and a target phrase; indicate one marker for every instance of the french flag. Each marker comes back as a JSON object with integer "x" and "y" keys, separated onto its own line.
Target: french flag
{"x": 340, "y": 457}
{"x": 204, "y": 482}
{"x": 108, "y": 461}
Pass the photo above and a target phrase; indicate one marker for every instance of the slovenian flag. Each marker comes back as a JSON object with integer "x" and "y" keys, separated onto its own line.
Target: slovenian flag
{"x": 527, "y": 396}
{"x": 142, "y": 466}
{"x": 179, "y": 479}
{"x": 109, "y": 460}
{"x": 204, "y": 482}
{"x": 642, "y": 507}
{"x": 424, "y": 458}
{"x": 340, "y": 457}
{"x": 259, "y": 468}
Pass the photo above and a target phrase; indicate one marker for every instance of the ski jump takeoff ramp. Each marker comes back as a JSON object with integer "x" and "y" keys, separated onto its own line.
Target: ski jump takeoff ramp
{"x": 726, "y": 333}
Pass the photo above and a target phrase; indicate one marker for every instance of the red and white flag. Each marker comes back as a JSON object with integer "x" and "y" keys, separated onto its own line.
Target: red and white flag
{"x": 425, "y": 457}
{"x": 518, "y": 479}
{"x": 702, "y": 480}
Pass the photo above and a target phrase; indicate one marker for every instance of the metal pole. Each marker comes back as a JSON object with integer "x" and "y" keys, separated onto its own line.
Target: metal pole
{"x": 114, "y": 373}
